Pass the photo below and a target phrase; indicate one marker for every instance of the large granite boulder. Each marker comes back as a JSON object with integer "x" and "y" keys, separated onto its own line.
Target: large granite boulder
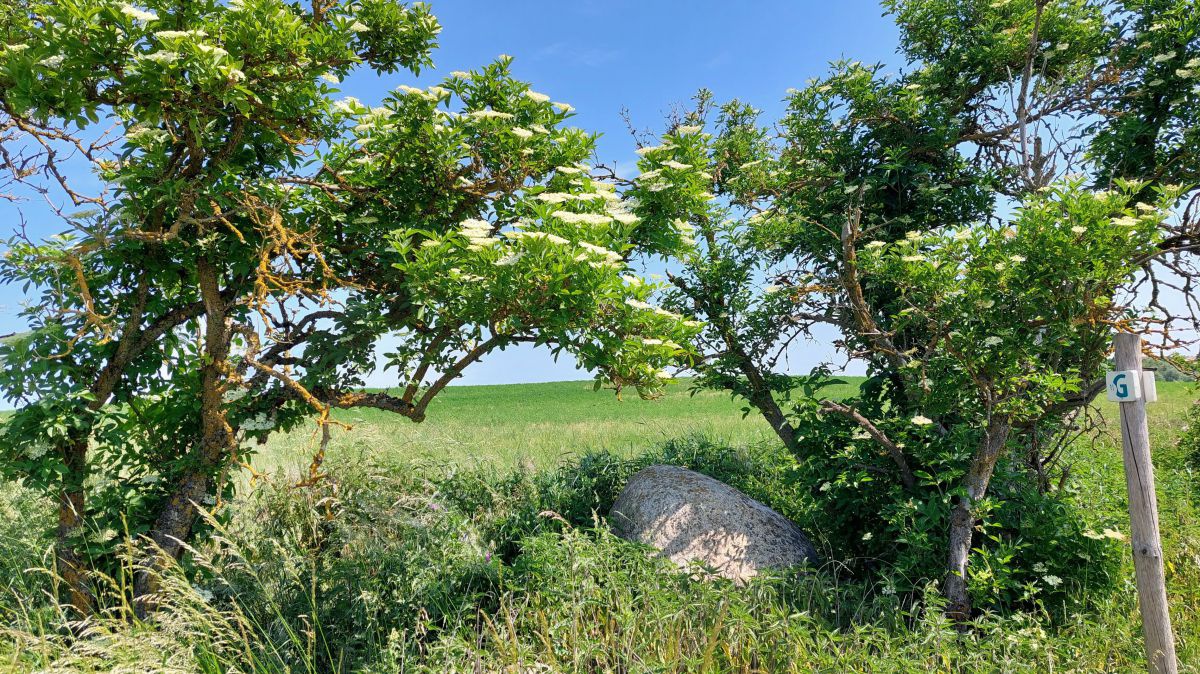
{"x": 689, "y": 516}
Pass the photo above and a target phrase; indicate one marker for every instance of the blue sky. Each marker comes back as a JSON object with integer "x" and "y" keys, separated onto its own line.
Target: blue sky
{"x": 647, "y": 56}
{"x": 602, "y": 56}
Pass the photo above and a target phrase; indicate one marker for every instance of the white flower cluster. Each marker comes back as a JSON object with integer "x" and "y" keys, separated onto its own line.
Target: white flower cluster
{"x": 37, "y": 450}
{"x": 687, "y": 232}
{"x": 478, "y": 233}
{"x": 178, "y": 34}
{"x": 161, "y": 57}
{"x": 608, "y": 257}
{"x": 138, "y": 14}
{"x": 552, "y": 238}
{"x": 489, "y": 114}
{"x": 645, "y": 306}
{"x": 583, "y": 218}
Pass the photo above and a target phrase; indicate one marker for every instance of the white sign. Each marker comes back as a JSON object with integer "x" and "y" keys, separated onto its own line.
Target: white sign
{"x": 1149, "y": 388}
{"x": 1124, "y": 386}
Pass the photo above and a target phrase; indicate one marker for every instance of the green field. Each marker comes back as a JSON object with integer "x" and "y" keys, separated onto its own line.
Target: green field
{"x": 534, "y": 424}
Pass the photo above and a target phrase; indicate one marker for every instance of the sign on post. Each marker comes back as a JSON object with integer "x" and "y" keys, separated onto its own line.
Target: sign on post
{"x": 1125, "y": 388}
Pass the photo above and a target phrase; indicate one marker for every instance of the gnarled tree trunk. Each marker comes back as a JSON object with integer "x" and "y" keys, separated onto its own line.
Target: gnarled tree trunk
{"x": 71, "y": 507}
{"x": 174, "y": 524}
{"x": 962, "y": 518}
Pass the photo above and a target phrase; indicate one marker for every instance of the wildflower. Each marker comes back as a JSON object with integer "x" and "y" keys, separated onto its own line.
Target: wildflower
{"x": 524, "y": 134}
{"x": 37, "y": 450}
{"x": 52, "y": 62}
{"x": 1017, "y": 258}
{"x": 1079, "y": 229}
{"x": 536, "y": 97}
{"x": 138, "y": 14}
{"x": 359, "y": 27}
{"x": 563, "y": 107}
{"x": 875, "y": 244}
{"x": 1126, "y": 221}
{"x": 210, "y": 49}
{"x": 15, "y": 48}
{"x": 868, "y": 536}
{"x": 1039, "y": 568}
{"x": 643, "y": 151}
{"x": 460, "y": 75}
{"x": 913, "y": 258}
{"x": 177, "y": 34}
{"x": 489, "y": 114}
{"x": 688, "y": 130}
{"x": 586, "y": 218}
{"x": 1052, "y": 580}
{"x": 347, "y": 104}
{"x": 638, "y": 304}
{"x": 331, "y": 78}
{"x": 676, "y": 165}
{"x": 625, "y": 218}
{"x": 921, "y": 420}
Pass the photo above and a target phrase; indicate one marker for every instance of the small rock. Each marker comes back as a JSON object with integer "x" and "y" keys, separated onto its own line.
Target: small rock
{"x": 690, "y": 516}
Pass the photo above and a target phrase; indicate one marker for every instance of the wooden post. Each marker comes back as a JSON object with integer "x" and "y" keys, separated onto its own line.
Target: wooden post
{"x": 1143, "y": 517}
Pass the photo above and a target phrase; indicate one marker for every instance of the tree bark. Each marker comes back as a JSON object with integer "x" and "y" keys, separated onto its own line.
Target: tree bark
{"x": 962, "y": 518}
{"x": 174, "y": 524}
{"x": 68, "y": 562}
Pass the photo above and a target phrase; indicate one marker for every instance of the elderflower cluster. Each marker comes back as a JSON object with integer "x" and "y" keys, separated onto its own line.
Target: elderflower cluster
{"x": 478, "y": 233}
{"x": 584, "y": 218}
{"x": 609, "y": 256}
{"x": 138, "y": 14}
{"x": 489, "y": 114}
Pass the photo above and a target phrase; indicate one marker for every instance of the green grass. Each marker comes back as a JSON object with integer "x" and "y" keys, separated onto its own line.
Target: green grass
{"x": 435, "y": 547}
{"x": 540, "y": 425}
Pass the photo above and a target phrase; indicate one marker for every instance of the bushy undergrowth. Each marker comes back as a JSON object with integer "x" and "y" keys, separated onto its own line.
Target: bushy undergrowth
{"x": 1030, "y": 545}
{"x": 386, "y": 567}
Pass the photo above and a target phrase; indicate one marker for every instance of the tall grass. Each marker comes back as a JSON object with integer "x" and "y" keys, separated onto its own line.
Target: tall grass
{"x": 396, "y": 566}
